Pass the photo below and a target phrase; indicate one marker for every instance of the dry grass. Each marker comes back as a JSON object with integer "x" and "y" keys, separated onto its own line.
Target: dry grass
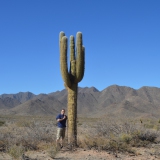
{"x": 20, "y": 134}
{"x": 117, "y": 135}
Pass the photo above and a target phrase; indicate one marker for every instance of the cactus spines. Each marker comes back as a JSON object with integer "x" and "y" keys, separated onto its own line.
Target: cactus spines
{"x": 71, "y": 78}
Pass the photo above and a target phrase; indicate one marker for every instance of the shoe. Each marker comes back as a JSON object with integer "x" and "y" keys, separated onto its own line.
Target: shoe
{"x": 61, "y": 147}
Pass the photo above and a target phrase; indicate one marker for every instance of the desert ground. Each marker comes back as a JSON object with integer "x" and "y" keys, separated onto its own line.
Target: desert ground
{"x": 115, "y": 138}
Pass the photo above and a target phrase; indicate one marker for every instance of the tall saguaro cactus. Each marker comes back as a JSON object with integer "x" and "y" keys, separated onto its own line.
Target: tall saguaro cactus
{"x": 71, "y": 78}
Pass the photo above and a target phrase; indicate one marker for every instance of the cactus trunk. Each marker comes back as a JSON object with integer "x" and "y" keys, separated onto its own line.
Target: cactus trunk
{"x": 72, "y": 114}
{"x": 71, "y": 78}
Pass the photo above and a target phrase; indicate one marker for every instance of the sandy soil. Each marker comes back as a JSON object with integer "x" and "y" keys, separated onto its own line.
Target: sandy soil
{"x": 80, "y": 154}
{"x": 152, "y": 153}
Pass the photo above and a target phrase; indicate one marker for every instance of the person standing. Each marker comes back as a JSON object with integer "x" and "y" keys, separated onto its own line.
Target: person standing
{"x": 61, "y": 128}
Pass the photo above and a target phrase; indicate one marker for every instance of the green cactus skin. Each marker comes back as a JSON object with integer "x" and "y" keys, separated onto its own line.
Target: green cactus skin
{"x": 71, "y": 78}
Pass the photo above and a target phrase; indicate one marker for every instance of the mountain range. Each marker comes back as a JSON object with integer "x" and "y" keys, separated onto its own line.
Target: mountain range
{"x": 114, "y": 100}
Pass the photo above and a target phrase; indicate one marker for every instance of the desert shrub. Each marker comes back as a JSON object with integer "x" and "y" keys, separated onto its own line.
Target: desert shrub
{"x": 52, "y": 151}
{"x": 16, "y": 151}
{"x": 2, "y": 123}
{"x": 146, "y": 135}
{"x": 119, "y": 146}
{"x": 127, "y": 138}
{"x": 2, "y": 146}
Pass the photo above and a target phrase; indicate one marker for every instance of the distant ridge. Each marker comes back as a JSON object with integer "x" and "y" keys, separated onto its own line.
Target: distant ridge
{"x": 113, "y": 100}
{"x": 21, "y": 96}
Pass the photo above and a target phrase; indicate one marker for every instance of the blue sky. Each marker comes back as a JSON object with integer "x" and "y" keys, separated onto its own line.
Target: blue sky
{"x": 122, "y": 40}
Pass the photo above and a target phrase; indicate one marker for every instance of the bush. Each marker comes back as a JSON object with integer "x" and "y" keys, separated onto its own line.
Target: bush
{"x": 127, "y": 138}
{"x": 52, "y": 151}
{"x": 16, "y": 151}
{"x": 2, "y": 123}
{"x": 147, "y": 136}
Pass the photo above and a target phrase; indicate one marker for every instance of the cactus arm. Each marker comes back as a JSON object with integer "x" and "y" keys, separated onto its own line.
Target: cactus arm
{"x": 81, "y": 73}
{"x": 79, "y": 58}
{"x": 72, "y": 48}
{"x": 63, "y": 61}
{"x": 61, "y": 34}
{"x": 72, "y": 60}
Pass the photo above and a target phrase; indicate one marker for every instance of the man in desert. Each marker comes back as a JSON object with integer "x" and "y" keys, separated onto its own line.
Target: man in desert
{"x": 61, "y": 128}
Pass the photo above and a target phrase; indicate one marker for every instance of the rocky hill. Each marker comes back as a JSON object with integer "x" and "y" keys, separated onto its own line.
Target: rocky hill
{"x": 113, "y": 100}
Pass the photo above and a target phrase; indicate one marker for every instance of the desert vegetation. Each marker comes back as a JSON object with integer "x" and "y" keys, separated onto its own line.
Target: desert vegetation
{"x": 118, "y": 135}
{"x": 20, "y": 135}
